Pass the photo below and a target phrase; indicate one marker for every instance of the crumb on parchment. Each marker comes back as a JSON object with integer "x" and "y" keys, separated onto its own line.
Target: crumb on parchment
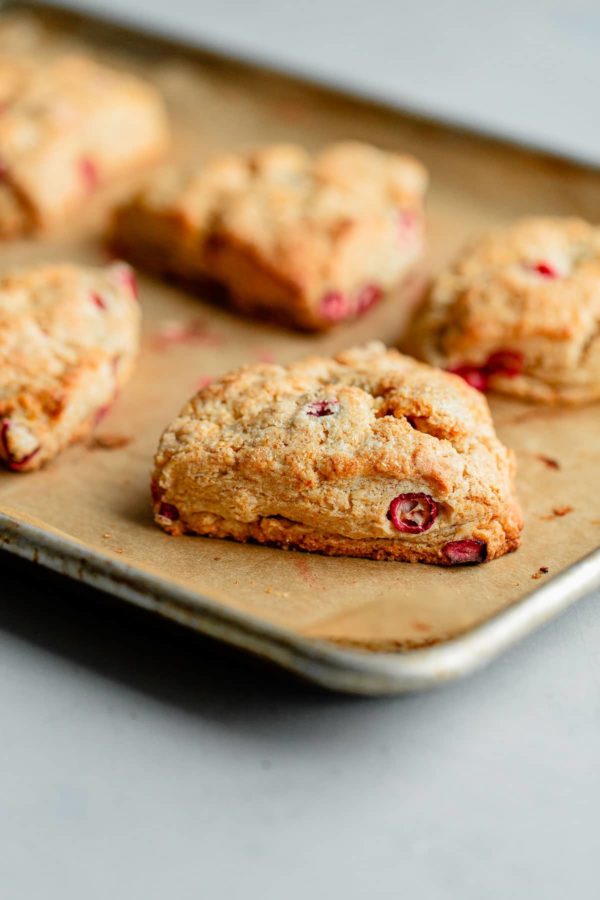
{"x": 557, "y": 513}
{"x": 110, "y": 441}
{"x": 549, "y": 461}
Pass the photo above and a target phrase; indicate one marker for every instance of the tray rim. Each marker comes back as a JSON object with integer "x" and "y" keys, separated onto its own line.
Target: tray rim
{"x": 236, "y": 55}
{"x": 325, "y": 663}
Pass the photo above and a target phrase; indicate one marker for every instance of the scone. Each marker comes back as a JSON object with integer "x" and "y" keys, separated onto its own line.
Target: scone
{"x": 305, "y": 240}
{"x": 519, "y": 313}
{"x": 68, "y": 341}
{"x": 367, "y": 454}
{"x": 67, "y": 126}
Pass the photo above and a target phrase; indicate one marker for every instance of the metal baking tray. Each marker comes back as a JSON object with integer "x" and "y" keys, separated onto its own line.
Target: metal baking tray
{"x": 351, "y": 625}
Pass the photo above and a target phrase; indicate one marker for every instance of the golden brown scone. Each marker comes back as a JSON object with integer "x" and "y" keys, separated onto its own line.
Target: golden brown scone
{"x": 305, "y": 240}
{"x": 67, "y": 126}
{"x": 367, "y": 454}
{"x": 519, "y": 313}
{"x": 68, "y": 340}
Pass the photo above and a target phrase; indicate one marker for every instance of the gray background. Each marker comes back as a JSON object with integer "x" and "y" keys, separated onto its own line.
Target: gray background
{"x": 527, "y": 68}
{"x": 136, "y": 762}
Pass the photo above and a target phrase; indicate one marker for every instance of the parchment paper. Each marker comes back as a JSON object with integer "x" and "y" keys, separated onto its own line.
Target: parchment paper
{"x": 99, "y": 493}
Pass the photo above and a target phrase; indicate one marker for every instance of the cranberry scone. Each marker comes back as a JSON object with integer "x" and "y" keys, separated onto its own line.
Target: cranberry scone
{"x": 519, "y": 312}
{"x": 68, "y": 341}
{"x": 306, "y": 240}
{"x": 67, "y": 126}
{"x": 369, "y": 454}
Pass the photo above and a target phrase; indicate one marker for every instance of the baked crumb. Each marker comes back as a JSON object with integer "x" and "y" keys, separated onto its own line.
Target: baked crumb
{"x": 562, "y": 510}
{"x": 110, "y": 441}
{"x": 548, "y": 461}
{"x": 194, "y": 331}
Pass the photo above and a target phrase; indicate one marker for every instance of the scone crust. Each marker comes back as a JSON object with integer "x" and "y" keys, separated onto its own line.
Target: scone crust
{"x": 68, "y": 341}
{"x": 532, "y": 290}
{"x": 305, "y": 239}
{"x": 249, "y": 459}
{"x": 69, "y": 125}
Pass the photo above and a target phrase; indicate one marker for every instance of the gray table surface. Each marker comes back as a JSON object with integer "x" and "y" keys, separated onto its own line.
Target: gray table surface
{"x": 528, "y": 69}
{"x": 139, "y": 763}
{"x": 136, "y": 762}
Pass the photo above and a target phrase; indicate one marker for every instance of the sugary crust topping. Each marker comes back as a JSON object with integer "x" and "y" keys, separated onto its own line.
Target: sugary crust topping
{"x": 388, "y": 428}
{"x": 343, "y": 181}
{"x": 338, "y": 220}
{"x": 531, "y": 290}
{"x": 66, "y": 126}
{"x": 68, "y": 339}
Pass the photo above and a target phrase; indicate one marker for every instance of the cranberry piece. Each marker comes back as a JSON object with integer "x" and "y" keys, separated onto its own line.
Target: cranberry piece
{"x": 99, "y": 301}
{"x": 89, "y": 172}
{"x": 127, "y": 277}
{"x": 203, "y": 382}
{"x": 473, "y": 375}
{"x": 508, "y": 363}
{"x": 465, "y": 553}
{"x": 168, "y": 511}
{"x": 320, "y": 408}
{"x": 11, "y": 461}
{"x": 156, "y": 491}
{"x": 266, "y": 356}
{"x": 101, "y": 412}
{"x": 130, "y": 279}
{"x": 545, "y": 269}
{"x": 407, "y": 220}
{"x": 334, "y": 306}
{"x": 367, "y": 297}
{"x": 17, "y": 464}
{"x": 413, "y": 513}
{"x": 505, "y": 362}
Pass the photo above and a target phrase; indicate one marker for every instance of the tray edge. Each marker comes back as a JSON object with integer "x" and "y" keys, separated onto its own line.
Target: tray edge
{"x": 346, "y": 670}
{"x": 333, "y": 667}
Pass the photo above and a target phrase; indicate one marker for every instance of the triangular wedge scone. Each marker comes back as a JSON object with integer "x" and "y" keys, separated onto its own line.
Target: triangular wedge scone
{"x": 68, "y": 126}
{"x": 68, "y": 341}
{"x": 518, "y": 312}
{"x": 367, "y": 454}
{"x": 309, "y": 240}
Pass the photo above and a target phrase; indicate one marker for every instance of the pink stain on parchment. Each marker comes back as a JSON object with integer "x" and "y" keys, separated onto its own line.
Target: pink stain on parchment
{"x": 305, "y": 573}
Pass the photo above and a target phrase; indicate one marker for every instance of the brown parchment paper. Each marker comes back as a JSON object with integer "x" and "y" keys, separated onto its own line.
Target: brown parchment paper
{"x": 99, "y": 494}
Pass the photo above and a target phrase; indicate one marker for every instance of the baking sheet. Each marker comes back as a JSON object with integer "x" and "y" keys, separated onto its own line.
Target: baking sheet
{"x": 89, "y": 514}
